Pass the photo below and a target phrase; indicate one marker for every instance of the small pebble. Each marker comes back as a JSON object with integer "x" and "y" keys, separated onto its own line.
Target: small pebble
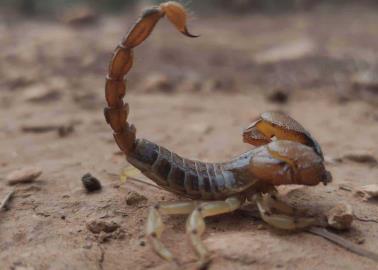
{"x": 261, "y": 227}
{"x": 365, "y": 158}
{"x": 134, "y": 198}
{"x": 64, "y": 131}
{"x": 340, "y": 217}
{"x": 158, "y": 83}
{"x": 24, "y": 175}
{"x": 104, "y": 237}
{"x": 22, "y": 267}
{"x": 360, "y": 241}
{"x": 116, "y": 186}
{"x": 345, "y": 187}
{"x": 98, "y": 226}
{"x": 366, "y": 79}
{"x": 80, "y": 16}
{"x": 278, "y": 96}
{"x": 87, "y": 245}
{"x": 90, "y": 183}
{"x": 41, "y": 93}
{"x": 368, "y": 192}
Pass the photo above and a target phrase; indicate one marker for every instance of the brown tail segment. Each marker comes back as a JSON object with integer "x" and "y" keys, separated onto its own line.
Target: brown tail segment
{"x": 115, "y": 88}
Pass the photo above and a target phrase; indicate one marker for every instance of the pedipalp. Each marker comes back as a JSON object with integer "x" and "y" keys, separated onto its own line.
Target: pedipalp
{"x": 282, "y": 127}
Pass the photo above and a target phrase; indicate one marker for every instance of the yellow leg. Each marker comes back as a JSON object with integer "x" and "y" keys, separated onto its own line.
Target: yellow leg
{"x": 286, "y": 221}
{"x": 155, "y": 226}
{"x": 195, "y": 225}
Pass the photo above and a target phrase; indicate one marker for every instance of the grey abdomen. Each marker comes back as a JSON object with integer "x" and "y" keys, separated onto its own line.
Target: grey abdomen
{"x": 195, "y": 179}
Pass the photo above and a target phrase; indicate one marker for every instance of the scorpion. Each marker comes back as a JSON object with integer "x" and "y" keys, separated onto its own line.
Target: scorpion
{"x": 284, "y": 153}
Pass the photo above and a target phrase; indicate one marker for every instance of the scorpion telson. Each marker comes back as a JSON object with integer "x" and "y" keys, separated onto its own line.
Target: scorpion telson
{"x": 294, "y": 157}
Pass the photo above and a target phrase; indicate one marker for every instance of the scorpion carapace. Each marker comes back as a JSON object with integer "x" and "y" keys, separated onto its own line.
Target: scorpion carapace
{"x": 293, "y": 157}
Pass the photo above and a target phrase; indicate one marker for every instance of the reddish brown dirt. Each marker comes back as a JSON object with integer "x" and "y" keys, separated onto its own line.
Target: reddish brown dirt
{"x": 45, "y": 227}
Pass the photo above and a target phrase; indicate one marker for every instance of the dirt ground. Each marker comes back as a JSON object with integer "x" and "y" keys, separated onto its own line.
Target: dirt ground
{"x": 194, "y": 97}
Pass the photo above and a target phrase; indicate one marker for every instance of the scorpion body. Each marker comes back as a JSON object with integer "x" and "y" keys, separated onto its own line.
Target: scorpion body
{"x": 293, "y": 157}
{"x": 205, "y": 180}
{"x": 191, "y": 178}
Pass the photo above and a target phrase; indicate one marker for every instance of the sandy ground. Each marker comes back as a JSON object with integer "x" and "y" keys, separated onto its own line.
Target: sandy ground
{"x": 53, "y": 75}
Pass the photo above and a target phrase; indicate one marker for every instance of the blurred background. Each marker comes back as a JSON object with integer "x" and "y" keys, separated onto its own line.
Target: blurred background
{"x": 41, "y": 7}
{"x": 317, "y": 60}
{"x": 280, "y": 45}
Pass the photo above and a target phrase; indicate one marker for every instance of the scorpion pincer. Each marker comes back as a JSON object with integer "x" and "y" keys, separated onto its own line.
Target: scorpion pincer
{"x": 285, "y": 153}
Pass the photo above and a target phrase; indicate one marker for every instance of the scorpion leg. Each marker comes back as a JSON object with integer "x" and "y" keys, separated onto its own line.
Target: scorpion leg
{"x": 285, "y": 220}
{"x": 155, "y": 225}
{"x": 276, "y": 203}
{"x": 195, "y": 225}
{"x": 279, "y": 205}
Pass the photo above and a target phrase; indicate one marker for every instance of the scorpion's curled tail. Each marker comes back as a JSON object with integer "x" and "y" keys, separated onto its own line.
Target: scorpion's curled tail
{"x": 115, "y": 89}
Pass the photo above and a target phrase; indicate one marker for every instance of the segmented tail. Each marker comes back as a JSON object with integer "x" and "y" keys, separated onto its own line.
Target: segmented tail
{"x": 115, "y": 89}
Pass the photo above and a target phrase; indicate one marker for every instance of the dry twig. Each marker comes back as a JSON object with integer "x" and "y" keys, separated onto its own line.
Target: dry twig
{"x": 6, "y": 200}
{"x": 330, "y": 236}
{"x": 344, "y": 243}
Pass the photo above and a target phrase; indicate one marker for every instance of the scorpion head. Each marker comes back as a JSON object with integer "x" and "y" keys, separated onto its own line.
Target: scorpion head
{"x": 286, "y": 162}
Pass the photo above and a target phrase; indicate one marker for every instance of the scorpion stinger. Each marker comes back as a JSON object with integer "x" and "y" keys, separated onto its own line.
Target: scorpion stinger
{"x": 216, "y": 188}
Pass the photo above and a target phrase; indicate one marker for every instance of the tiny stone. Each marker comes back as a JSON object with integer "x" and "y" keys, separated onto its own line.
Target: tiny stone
{"x": 278, "y": 96}
{"x": 345, "y": 187}
{"x": 87, "y": 245}
{"x": 158, "y": 83}
{"x": 118, "y": 234}
{"x": 104, "y": 237}
{"x": 134, "y": 198}
{"x": 22, "y": 267}
{"x": 261, "y": 227}
{"x": 116, "y": 186}
{"x": 96, "y": 226}
{"x": 79, "y": 16}
{"x": 366, "y": 79}
{"x": 368, "y": 191}
{"x": 41, "y": 93}
{"x": 361, "y": 158}
{"x": 64, "y": 131}
{"x": 90, "y": 183}
{"x": 340, "y": 217}
{"x": 24, "y": 175}
{"x": 360, "y": 241}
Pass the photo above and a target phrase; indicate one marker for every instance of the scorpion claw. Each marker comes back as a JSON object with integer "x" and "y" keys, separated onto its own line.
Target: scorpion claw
{"x": 255, "y": 137}
{"x": 282, "y": 127}
{"x": 284, "y": 162}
